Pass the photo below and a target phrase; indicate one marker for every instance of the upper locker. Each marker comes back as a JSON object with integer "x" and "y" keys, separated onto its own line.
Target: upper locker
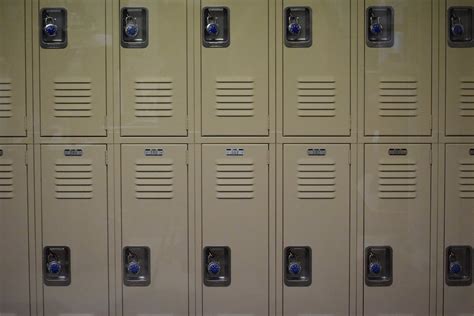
{"x": 153, "y": 68}
{"x": 398, "y": 62}
{"x": 397, "y": 208}
{"x": 72, "y": 66}
{"x": 459, "y": 47}
{"x": 235, "y": 68}
{"x": 235, "y": 231}
{"x": 316, "y": 67}
{"x": 12, "y": 69}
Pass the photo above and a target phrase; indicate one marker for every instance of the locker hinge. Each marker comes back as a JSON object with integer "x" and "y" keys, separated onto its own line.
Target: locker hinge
{"x": 26, "y": 123}
{"x": 105, "y": 123}
{"x": 268, "y": 157}
{"x": 187, "y": 123}
{"x": 106, "y": 157}
{"x": 26, "y": 157}
{"x": 187, "y": 157}
{"x": 431, "y": 157}
{"x": 350, "y": 156}
{"x": 268, "y": 123}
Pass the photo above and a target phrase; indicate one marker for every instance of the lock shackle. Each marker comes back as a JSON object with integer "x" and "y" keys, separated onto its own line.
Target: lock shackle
{"x": 211, "y": 19}
{"x": 130, "y": 19}
{"x": 49, "y": 20}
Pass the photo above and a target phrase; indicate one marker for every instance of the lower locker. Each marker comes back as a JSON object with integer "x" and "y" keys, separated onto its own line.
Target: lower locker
{"x": 14, "y": 275}
{"x": 155, "y": 228}
{"x": 397, "y": 210}
{"x": 235, "y": 225}
{"x": 316, "y": 214}
{"x": 74, "y": 229}
{"x": 459, "y": 232}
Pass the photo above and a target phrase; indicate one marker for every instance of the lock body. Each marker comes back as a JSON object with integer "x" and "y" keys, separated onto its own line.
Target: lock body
{"x": 460, "y": 27}
{"x": 298, "y": 266}
{"x": 136, "y": 266}
{"x": 134, "y": 27}
{"x": 458, "y": 266}
{"x": 56, "y": 266}
{"x": 379, "y": 266}
{"x": 215, "y": 27}
{"x": 380, "y": 26}
{"x": 53, "y": 32}
{"x": 298, "y": 27}
{"x": 216, "y": 266}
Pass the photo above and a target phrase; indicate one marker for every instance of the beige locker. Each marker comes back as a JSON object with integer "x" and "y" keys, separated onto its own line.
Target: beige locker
{"x": 459, "y": 84}
{"x": 74, "y": 214}
{"x": 316, "y": 214}
{"x": 155, "y": 215}
{"x": 398, "y": 78}
{"x": 316, "y": 84}
{"x": 12, "y": 69}
{"x": 153, "y": 79}
{"x": 397, "y": 209}
{"x": 235, "y": 213}
{"x": 14, "y": 275}
{"x": 73, "y": 79}
{"x": 459, "y": 216}
{"x": 234, "y": 79}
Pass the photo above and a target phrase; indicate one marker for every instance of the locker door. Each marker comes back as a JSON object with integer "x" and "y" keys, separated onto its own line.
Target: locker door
{"x": 234, "y": 79}
{"x": 397, "y": 214}
{"x": 459, "y": 216}
{"x": 459, "y": 83}
{"x": 235, "y": 214}
{"x": 316, "y": 79}
{"x": 74, "y": 215}
{"x": 153, "y": 79}
{"x": 73, "y": 79}
{"x": 398, "y": 78}
{"x": 316, "y": 214}
{"x": 14, "y": 275}
{"x": 155, "y": 215}
{"x": 12, "y": 69}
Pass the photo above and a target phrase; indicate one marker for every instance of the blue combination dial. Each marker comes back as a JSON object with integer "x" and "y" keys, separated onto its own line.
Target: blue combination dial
{"x": 213, "y": 267}
{"x": 294, "y": 268}
{"x": 133, "y": 267}
{"x": 455, "y": 267}
{"x": 375, "y": 267}
{"x": 54, "y": 267}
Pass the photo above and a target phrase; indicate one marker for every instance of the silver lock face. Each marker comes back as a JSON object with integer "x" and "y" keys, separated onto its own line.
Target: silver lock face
{"x": 50, "y": 28}
{"x": 131, "y": 27}
{"x": 294, "y": 26}
{"x": 212, "y": 28}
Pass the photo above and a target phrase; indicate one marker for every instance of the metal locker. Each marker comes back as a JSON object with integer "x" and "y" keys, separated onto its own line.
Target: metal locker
{"x": 234, "y": 76}
{"x": 13, "y": 69}
{"x": 155, "y": 215}
{"x": 153, "y": 76}
{"x": 316, "y": 84}
{"x": 14, "y": 275}
{"x": 73, "y": 73}
{"x": 398, "y": 74}
{"x": 459, "y": 74}
{"x": 235, "y": 215}
{"x": 397, "y": 210}
{"x": 459, "y": 216}
{"x": 74, "y": 223}
{"x": 316, "y": 214}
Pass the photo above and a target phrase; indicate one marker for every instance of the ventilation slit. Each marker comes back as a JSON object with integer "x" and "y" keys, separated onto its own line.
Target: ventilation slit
{"x": 6, "y": 179}
{"x": 235, "y": 97}
{"x": 73, "y": 179}
{"x": 73, "y": 99}
{"x": 316, "y": 97}
{"x": 6, "y": 109}
{"x": 316, "y": 178}
{"x": 397, "y": 179}
{"x": 154, "y": 178}
{"x": 466, "y": 179}
{"x": 466, "y": 98}
{"x": 235, "y": 178}
{"x": 154, "y": 98}
{"x": 398, "y": 98}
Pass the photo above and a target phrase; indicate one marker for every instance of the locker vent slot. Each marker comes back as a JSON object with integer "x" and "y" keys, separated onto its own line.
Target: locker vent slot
{"x": 5, "y": 99}
{"x": 154, "y": 178}
{"x": 316, "y": 97}
{"x": 235, "y": 178}
{"x": 73, "y": 179}
{"x": 235, "y": 97}
{"x": 154, "y": 98}
{"x": 397, "y": 179}
{"x": 398, "y": 98}
{"x": 6, "y": 179}
{"x": 467, "y": 98}
{"x": 73, "y": 98}
{"x": 316, "y": 179}
{"x": 466, "y": 179}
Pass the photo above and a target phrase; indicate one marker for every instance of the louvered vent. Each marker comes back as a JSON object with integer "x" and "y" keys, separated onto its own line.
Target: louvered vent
{"x": 235, "y": 178}
{"x": 397, "y": 179}
{"x": 154, "y": 178}
{"x": 316, "y": 179}
{"x": 5, "y": 99}
{"x": 73, "y": 179}
{"x": 73, "y": 98}
{"x": 154, "y": 98}
{"x": 6, "y": 179}
{"x": 398, "y": 98}
{"x": 235, "y": 97}
{"x": 466, "y": 179}
{"x": 467, "y": 98}
{"x": 316, "y": 97}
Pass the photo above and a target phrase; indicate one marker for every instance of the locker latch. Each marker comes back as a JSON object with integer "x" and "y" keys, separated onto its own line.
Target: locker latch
{"x": 378, "y": 262}
{"x": 134, "y": 28}
{"x": 53, "y": 28}
{"x": 380, "y": 27}
{"x": 56, "y": 266}
{"x": 298, "y": 27}
{"x": 459, "y": 266}
{"x": 216, "y": 266}
{"x": 460, "y": 27}
{"x": 216, "y": 27}
{"x": 297, "y": 266}
{"x": 136, "y": 265}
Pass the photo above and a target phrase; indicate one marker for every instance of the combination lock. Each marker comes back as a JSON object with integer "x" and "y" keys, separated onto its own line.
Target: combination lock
{"x": 375, "y": 26}
{"x": 50, "y": 28}
{"x": 294, "y": 27}
{"x": 212, "y": 28}
{"x": 131, "y": 28}
{"x": 457, "y": 29}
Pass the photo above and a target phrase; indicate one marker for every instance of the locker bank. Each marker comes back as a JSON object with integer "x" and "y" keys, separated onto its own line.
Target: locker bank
{"x": 236, "y": 157}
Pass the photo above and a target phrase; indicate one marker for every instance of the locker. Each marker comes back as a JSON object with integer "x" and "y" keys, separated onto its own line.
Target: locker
{"x": 316, "y": 83}
{"x": 73, "y": 75}
{"x": 397, "y": 211}
{"x": 74, "y": 216}
{"x": 14, "y": 275}
{"x": 459, "y": 216}
{"x": 234, "y": 78}
{"x": 459, "y": 78}
{"x": 155, "y": 215}
{"x": 316, "y": 213}
{"x": 153, "y": 78}
{"x": 12, "y": 69}
{"x": 235, "y": 215}
{"x": 398, "y": 77}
